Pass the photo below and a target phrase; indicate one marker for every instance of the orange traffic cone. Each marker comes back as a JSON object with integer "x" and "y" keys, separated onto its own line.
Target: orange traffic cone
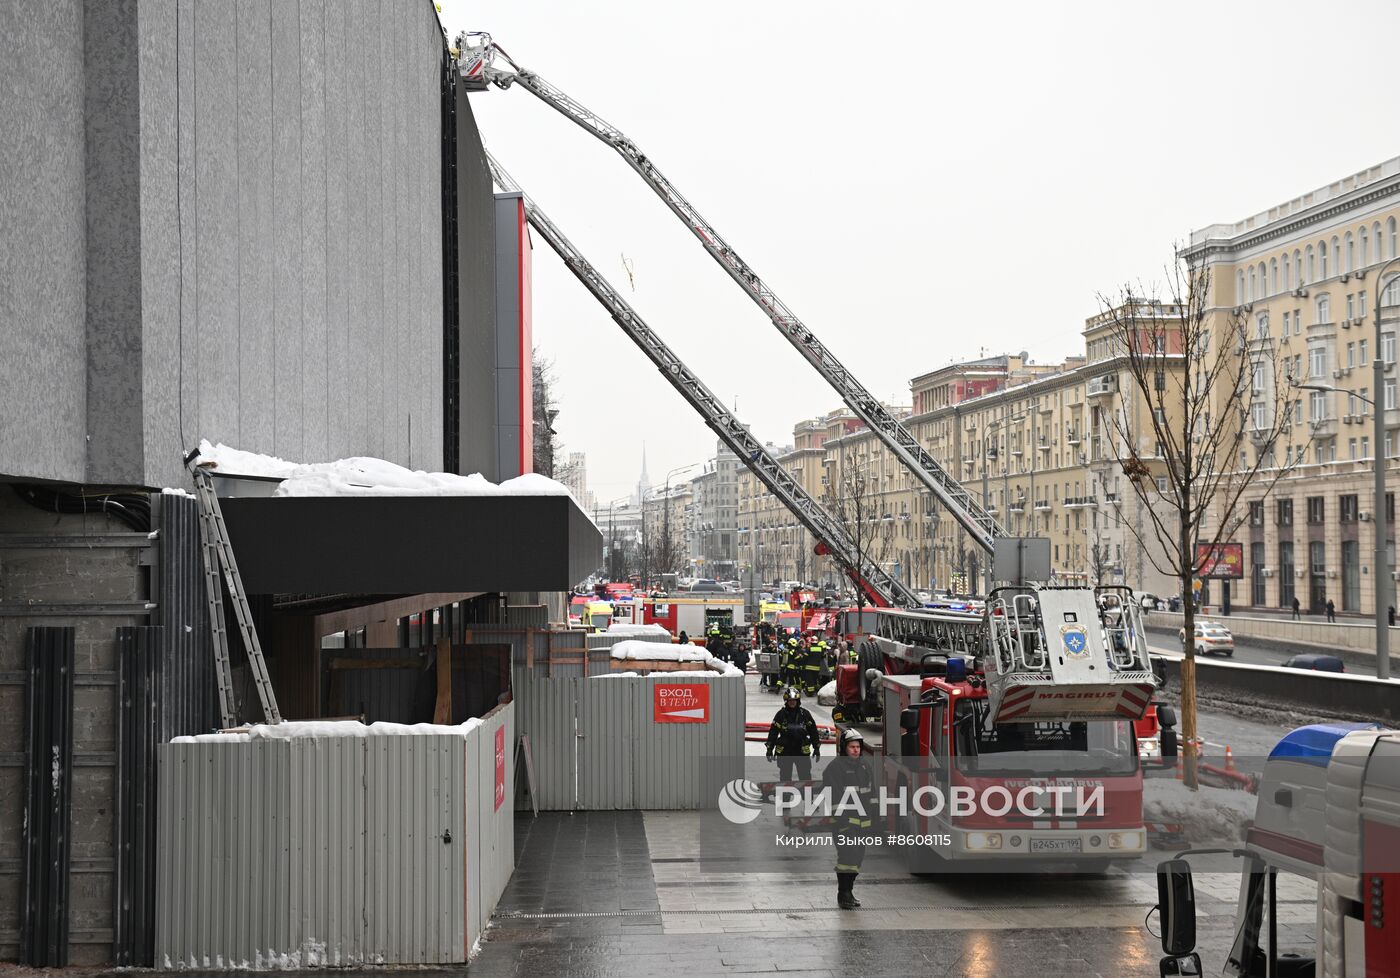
{"x": 1229, "y": 758}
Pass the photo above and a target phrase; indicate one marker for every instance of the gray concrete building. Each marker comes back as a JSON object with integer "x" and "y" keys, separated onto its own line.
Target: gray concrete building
{"x": 266, "y": 223}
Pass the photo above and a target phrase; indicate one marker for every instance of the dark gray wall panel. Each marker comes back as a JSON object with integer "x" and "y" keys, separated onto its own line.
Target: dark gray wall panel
{"x": 476, "y": 274}
{"x": 257, "y": 261}
{"x": 113, "y": 171}
{"x": 281, "y": 358}
{"x": 43, "y": 375}
{"x": 314, "y": 386}
{"x": 218, "y": 233}
{"x": 161, "y": 253}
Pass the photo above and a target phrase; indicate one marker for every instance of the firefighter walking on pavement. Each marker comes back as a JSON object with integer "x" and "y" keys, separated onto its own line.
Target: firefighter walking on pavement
{"x": 852, "y": 784}
{"x": 793, "y": 738}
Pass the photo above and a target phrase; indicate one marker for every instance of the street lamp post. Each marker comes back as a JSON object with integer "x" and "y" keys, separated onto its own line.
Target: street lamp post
{"x": 1381, "y": 562}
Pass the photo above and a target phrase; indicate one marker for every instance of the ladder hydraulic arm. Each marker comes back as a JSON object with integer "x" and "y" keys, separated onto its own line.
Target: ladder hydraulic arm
{"x": 878, "y": 585}
{"x": 478, "y": 52}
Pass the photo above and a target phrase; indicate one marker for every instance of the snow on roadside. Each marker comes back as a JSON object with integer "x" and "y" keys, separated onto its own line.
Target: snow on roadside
{"x": 1219, "y": 815}
{"x": 649, "y": 651}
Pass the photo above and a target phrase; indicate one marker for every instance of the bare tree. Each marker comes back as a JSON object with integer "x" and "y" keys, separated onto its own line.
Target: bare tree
{"x": 853, "y": 502}
{"x": 1204, "y": 410}
{"x": 546, "y": 439}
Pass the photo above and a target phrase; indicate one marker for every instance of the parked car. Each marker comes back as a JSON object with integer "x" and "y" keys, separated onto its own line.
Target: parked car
{"x": 1211, "y": 637}
{"x": 1317, "y": 661}
{"x": 705, "y": 584}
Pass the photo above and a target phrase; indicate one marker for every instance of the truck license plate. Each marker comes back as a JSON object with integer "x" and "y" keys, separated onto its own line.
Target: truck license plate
{"x": 1057, "y": 845}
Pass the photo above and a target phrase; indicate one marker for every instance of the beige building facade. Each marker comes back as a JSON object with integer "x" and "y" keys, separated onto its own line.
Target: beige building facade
{"x": 1308, "y": 274}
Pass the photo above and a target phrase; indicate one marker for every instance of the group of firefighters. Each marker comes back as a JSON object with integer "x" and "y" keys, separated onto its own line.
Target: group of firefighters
{"x": 802, "y": 659}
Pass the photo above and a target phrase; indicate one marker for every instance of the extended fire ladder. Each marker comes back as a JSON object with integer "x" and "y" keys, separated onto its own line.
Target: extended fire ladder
{"x": 1081, "y": 692}
{"x": 878, "y": 585}
{"x": 220, "y": 570}
{"x": 476, "y": 59}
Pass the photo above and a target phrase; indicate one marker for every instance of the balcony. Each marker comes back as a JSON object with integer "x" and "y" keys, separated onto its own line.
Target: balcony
{"x": 1084, "y": 502}
{"x": 1016, "y": 452}
{"x": 1018, "y": 506}
{"x": 1109, "y": 497}
{"x": 990, "y": 508}
{"x": 1073, "y": 438}
{"x": 1100, "y": 386}
{"x": 1323, "y": 427}
{"x": 1043, "y": 445}
{"x": 1042, "y": 505}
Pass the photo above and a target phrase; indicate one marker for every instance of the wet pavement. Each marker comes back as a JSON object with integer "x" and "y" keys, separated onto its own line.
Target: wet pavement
{"x": 626, "y": 894}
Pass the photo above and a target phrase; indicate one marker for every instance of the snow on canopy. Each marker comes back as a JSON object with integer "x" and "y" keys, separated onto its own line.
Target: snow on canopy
{"x": 299, "y": 729}
{"x": 363, "y": 476}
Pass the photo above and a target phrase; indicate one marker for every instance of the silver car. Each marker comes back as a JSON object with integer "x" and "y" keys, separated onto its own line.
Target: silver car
{"x": 1211, "y": 638}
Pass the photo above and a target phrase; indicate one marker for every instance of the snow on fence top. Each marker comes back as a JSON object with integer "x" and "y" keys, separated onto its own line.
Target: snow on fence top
{"x": 299, "y": 729}
{"x": 627, "y": 628}
{"x": 651, "y": 652}
{"x": 368, "y": 477}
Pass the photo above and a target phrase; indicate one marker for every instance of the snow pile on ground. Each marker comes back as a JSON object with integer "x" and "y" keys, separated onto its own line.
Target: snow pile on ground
{"x": 635, "y": 649}
{"x": 1218, "y": 815}
{"x": 300, "y": 729}
{"x": 368, "y": 477}
{"x": 826, "y": 696}
{"x": 627, "y": 628}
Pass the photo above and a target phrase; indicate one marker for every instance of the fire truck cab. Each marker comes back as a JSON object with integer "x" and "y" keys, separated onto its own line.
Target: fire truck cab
{"x": 1329, "y": 809}
{"x": 1073, "y": 788}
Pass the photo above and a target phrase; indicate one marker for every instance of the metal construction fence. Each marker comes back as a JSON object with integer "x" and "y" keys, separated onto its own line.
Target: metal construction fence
{"x": 332, "y": 850}
{"x": 610, "y": 743}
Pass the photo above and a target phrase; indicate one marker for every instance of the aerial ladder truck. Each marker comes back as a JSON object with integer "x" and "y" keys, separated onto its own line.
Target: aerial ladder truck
{"x": 1047, "y": 652}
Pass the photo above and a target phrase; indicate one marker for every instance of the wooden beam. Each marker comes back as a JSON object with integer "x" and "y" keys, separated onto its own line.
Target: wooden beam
{"x": 442, "y": 712}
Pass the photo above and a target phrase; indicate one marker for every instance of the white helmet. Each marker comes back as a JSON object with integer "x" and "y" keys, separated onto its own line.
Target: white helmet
{"x": 790, "y": 694}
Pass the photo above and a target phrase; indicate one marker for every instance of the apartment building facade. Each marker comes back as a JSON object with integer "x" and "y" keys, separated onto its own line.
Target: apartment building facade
{"x": 1308, "y": 276}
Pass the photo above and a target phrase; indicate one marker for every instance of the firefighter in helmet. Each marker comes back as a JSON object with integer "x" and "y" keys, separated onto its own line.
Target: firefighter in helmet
{"x": 794, "y": 738}
{"x": 792, "y": 662}
{"x": 852, "y": 784}
{"x": 812, "y": 667}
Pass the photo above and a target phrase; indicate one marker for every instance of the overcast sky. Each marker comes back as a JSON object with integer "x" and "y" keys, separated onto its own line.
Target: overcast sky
{"x": 920, "y": 182}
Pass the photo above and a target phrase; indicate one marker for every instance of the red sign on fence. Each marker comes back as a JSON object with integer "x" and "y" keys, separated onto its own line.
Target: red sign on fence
{"x": 1224, "y": 560}
{"x": 681, "y": 702}
{"x": 500, "y": 766}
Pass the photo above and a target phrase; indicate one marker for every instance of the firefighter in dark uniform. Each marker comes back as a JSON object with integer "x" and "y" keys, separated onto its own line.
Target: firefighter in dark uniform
{"x": 850, "y": 770}
{"x": 794, "y": 738}
{"x": 812, "y": 656}
{"x": 792, "y": 662}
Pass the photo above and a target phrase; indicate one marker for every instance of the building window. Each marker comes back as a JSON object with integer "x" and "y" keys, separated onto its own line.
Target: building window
{"x": 1317, "y": 408}
{"x": 1273, "y": 275}
{"x": 1283, "y": 512}
{"x": 1256, "y": 559}
{"x": 1286, "y": 320}
{"x": 1388, "y": 347}
{"x": 1311, "y": 267}
{"x": 1317, "y": 361}
{"x": 1285, "y": 574}
{"x": 1361, "y": 349}
{"x": 1243, "y": 299}
{"x": 1347, "y": 508}
{"x": 1324, "y": 308}
{"x": 1389, "y": 397}
{"x": 1365, "y": 256}
{"x": 1361, "y": 305}
{"x": 1351, "y": 448}
{"x": 1256, "y": 513}
{"x": 1162, "y": 484}
{"x": 1258, "y": 414}
{"x": 1351, "y": 355}
{"x": 1316, "y": 510}
{"x": 1159, "y": 381}
{"x": 1350, "y": 253}
{"x": 1365, "y": 446}
{"x": 1390, "y": 228}
{"x": 1322, "y": 257}
{"x": 1351, "y": 575}
{"x": 1287, "y": 273}
{"x": 1297, "y": 321}
{"x": 1351, "y": 305}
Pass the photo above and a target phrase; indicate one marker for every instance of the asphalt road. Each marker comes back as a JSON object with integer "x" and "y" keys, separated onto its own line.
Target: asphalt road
{"x": 1247, "y": 652}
